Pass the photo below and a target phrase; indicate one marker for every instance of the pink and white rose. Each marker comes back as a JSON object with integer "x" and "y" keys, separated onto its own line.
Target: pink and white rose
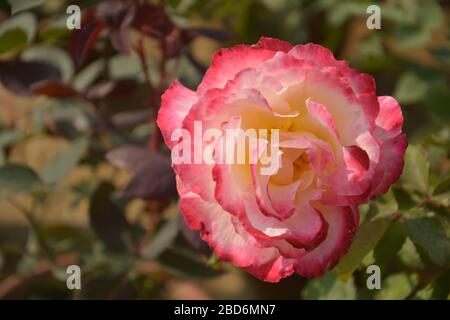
{"x": 340, "y": 144}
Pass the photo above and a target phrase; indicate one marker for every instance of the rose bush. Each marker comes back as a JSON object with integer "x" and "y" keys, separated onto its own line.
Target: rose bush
{"x": 340, "y": 145}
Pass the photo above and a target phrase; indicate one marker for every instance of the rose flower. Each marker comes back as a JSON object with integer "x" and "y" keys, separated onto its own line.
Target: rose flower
{"x": 338, "y": 143}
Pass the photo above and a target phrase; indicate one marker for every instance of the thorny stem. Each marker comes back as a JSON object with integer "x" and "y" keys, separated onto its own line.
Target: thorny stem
{"x": 154, "y": 94}
{"x": 141, "y": 54}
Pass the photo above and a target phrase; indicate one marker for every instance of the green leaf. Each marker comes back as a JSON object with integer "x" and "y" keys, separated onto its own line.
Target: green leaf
{"x": 430, "y": 235}
{"x": 440, "y": 139}
{"x": 438, "y": 99}
{"x": 396, "y": 14}
{"x": 25, "y": 21}
{"x": 386, "y": 205}
{"x": 441, "y": 287}
{"x": 88, "y": 75}
{"x": 366, "y": 239}
{"x": 69, "y": 118}
{"x": 345, "y": 10}
{"x": 5, "y": 6}
{"x": 123, "y": 66}
{"x": 54, "y": 56}
{"x": 107, "y": 219}
{"x": 7, "y": 137}
{"x": 409, "y": 256}
{"x": 424, "y": 293}
{"x": 442, "y": 199}
{"x": 184, "y": 262}
{"x": 410, "y": 88}
{"x": 416, "y": 170}
{"x": 20, "y": 5}
{"x": 55, "y": 31}
{"x": 18, "y": 178}
{"x": 442, "y": 187}
{"x": 328, "y": 287}
{"x": 403, "y": 198}
{"x": 431, "y": 16}
{"x": 55, "y": 34}
{"x": 412, "y": 37}
{"x": 174, "y": 3}
{"x": 396, "y": 287}
{"x": 2, "y": 159}
{"x": 163, "y": 239}
{"x": 442, "y": 54}
{"x": 172, "y": 252}
{"x": 64, "y": 161}
{"x": 390, "y": 244}
{"x": 12, "y": 40}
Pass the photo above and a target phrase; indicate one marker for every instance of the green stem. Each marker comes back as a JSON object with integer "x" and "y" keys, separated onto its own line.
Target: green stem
{"x": 34, "y": 224}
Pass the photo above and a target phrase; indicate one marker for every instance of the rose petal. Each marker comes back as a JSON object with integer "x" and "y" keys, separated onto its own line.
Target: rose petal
{"x": 341, "y": 231}
{"x": 273, "y": 44}
{"x": 226, "y": 63}
{"x": 217, "y": 229}
{"x": 393, "y": 145}
{"x": 175, "y": 105}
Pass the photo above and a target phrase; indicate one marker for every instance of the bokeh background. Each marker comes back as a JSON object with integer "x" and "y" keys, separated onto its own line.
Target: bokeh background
{"x": 85, "y": 178}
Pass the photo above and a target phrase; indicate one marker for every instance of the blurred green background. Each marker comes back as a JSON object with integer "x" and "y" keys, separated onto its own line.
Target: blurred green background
{"x": 85, "y": 178}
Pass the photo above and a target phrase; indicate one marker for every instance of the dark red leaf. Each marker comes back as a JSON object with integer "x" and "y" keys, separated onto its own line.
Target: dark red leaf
{"x": 152, "y": 20}
{"x": 152, "y": 181}
{"x": 119, "y": 17}
{"x": 53, "y": 88}
{"x": 82, "y": 40}
{"x": 19, "y": 76}
{"x": 153, "y": 177}
{"x": 174, "y": 42}
{"x": 121, "y": 40}
{"x": 111, "y": 89}
{"x": 124, "y": 17}
{"x": 107, "y": 9}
